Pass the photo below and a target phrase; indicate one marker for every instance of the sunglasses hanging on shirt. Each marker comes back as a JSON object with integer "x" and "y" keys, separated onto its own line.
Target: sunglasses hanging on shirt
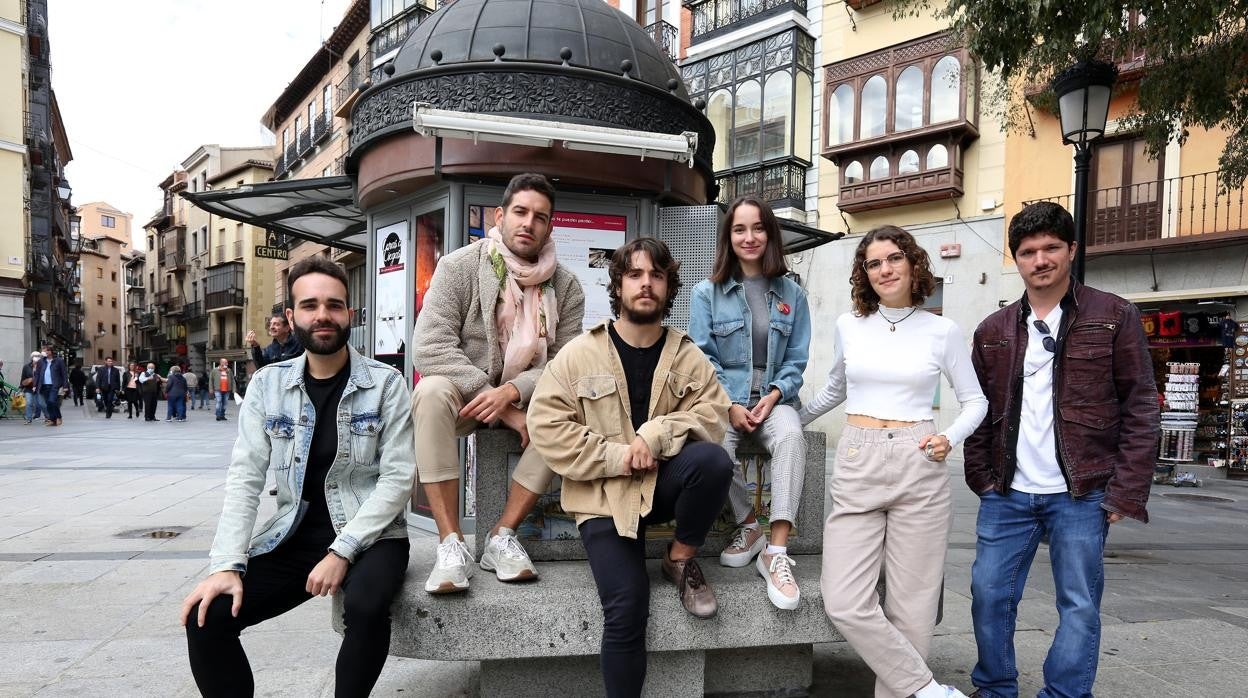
{"x": 1050, "y": 345}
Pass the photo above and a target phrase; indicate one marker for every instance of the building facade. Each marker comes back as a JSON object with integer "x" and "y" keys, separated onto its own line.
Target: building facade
{"x": 105, "y": 232}
{"x": 38, "y": 243}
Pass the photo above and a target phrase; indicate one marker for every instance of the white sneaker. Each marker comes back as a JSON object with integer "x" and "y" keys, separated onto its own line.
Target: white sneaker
{"x": 507, "y": 558}
{"x": 453, "y": 569}
{"x": 745, "y": 544}
{"x": 951, "y": 692}
{"x": 782, "y": 588}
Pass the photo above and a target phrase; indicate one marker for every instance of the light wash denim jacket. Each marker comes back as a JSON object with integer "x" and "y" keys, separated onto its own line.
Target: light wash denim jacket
{"x": 367, "y": 487}
{"x": 719, "y": 322}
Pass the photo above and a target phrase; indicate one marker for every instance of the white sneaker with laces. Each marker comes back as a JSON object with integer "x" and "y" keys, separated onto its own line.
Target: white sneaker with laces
{"x": 453, "y": 568}
{"x": 951, "y": 692}
{"x": 782, "y": 588}
{"x": 507, "y": 558}
{"x": 745, "y": 544}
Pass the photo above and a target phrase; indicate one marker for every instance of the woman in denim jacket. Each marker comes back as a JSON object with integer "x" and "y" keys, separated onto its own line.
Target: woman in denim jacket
{"x": 752, "y": 322}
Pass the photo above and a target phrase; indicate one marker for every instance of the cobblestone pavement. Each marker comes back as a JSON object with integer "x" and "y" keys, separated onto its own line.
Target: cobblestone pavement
{"x": 89, "y": 598}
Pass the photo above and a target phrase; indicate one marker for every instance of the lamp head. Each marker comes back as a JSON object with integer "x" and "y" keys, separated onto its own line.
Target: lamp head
{"x": 1083, "y": 91}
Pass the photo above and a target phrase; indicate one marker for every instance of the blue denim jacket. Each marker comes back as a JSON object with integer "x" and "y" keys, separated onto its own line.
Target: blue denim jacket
{"x": 719, "y": 324}
{"x": 367, "y": 487}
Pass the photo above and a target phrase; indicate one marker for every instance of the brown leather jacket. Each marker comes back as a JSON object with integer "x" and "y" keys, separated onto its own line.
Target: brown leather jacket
{"x": 1104, "y": 395}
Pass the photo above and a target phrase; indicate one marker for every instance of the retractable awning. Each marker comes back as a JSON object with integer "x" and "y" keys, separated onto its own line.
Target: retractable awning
{"x": 322, "y": 210}
{"x": 799, "y": 238}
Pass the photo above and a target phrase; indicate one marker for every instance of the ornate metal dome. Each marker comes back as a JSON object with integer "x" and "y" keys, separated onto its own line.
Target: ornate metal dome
{"x": 578, "y": 61}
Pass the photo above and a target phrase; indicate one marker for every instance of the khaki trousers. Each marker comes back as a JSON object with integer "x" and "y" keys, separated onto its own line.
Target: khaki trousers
{"x": 436, "y": 424}
{"x": 891, "y": 510}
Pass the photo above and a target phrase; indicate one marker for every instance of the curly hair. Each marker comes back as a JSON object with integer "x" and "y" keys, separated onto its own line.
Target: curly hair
{"x": 1039, "y": 218}
{"x": 922, "y": 281}
{"x": 660, "y": 258}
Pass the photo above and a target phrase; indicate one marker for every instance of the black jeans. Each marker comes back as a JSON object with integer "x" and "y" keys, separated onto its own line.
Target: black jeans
{"x": 133, "y": 403}
{"x": 149, "y": 405}
{"x": 692, "y": 488}
{"x": 77, "y": 391}
{"x": 109, "y": 398}
{"x": 273, "y": 585}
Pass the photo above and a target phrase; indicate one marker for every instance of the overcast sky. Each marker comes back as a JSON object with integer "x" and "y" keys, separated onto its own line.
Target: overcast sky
{"x": 143, "y": 83}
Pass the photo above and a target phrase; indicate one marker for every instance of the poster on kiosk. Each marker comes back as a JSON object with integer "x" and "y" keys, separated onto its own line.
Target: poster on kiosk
{"x": 390, "y": 315}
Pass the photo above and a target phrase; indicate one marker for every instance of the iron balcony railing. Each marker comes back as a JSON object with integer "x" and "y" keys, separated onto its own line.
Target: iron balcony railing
{"x": 36, "y": 128}
{"x": 712, "y": 15}
{"x": 321, "y": 127}
{"x": 292, "y": 152}
{"x": 279, "y": 164}
{"x": 780, "y": 184}
{"x": 193, "y": 311}
{"x": 664, "y": 36}
{"x": 353, "y": 80}
{"x": 1177, "y": 207}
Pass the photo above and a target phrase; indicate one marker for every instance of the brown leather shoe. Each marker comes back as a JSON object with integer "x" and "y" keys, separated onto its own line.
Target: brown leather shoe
{"x": 695, "y": 594}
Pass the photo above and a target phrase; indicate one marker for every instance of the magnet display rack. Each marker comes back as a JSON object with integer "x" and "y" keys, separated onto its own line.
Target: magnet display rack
{"x": 1237, "y": 385}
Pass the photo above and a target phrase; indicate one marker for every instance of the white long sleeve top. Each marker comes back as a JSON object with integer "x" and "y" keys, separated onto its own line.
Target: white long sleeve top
{"x": 893, "y": 375}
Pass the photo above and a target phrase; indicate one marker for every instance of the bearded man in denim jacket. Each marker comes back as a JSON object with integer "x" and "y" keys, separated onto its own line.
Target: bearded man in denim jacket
{"x": 335, "y": 428}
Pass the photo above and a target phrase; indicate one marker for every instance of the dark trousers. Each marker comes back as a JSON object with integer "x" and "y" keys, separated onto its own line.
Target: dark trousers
{"x": 149, "y": 405}
{"x": 273, "y": 585}
{"x": 110, "y": 398}
{"x": 77, "y": 391}
{"x": 52, "y": 400}
{"x": 133, "y": 403}
{"x": 692, "y": 488}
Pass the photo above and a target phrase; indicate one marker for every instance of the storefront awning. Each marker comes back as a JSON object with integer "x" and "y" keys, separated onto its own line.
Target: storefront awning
{"x": 1192, "y": 294}
{"x": 321, "y": 210}
{"x": 799, "y": 238}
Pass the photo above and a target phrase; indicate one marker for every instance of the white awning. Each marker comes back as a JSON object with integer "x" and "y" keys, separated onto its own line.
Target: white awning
{"x": 1187, "y": 294}
{"x": 322, "y": 210}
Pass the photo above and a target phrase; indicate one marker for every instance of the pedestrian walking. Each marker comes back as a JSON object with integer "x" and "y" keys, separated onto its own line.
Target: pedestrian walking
{"x": 149, "y": 389}
{"x": 175, "y": 396}
{"x": 192, "y": 385}
{"x": 107, "y": 386}
{"x": 130, "y": 383}
{"x": 78, "y": 381}
{"x": 34, "y": 402}
{"x": 223, "y": 384}
{"x": 1067, "y": 369}
{"x": 52, "y": 383}
{"x": 204, "y": 388}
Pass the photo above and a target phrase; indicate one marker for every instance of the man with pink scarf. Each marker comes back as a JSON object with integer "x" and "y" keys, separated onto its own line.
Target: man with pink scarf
{"x": 496, "y": 311}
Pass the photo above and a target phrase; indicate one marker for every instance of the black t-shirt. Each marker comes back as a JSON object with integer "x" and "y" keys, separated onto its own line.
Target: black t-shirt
{"x": 639, "y": 364}
{"x": 325, "y": 395}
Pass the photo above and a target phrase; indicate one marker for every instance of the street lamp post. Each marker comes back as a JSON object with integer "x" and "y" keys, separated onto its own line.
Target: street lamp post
{"x": 1083, "y": 91}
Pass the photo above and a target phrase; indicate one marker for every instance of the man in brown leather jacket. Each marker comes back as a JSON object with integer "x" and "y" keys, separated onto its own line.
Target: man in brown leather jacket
{"x": 1067, "y": 449}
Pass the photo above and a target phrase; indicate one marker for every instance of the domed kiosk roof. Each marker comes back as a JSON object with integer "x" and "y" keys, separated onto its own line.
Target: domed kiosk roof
{"x": 580, "y": 33}
{"x": 577, "y": 61}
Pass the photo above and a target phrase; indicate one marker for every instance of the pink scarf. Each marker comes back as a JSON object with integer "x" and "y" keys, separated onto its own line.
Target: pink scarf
{"x": 526, "y": 314}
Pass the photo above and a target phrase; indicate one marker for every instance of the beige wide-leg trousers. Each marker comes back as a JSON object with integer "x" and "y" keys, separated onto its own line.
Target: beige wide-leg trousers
{"x": 892, "y": 512}
{"x": 436, "y": 423}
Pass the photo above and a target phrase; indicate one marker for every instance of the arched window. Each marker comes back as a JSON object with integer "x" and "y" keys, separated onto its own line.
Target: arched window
{"x": 719, "y": 111}
{"x": 909, "y": 163}
{"x": 908, "y": 111}
{"x": 841, "y": 116}
{"x": 853, "y": 172}
{"x": 874, "y": 107}
{"x": 879, "y": 168}
{"x": 777, "y": 116}
{"x": 937, "y": 157}
{"x": 945, "y": 89}
{"x": 747, "y": 117}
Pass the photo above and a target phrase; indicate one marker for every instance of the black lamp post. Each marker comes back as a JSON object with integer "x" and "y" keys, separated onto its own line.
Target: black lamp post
{"x": 1083, "y": 91}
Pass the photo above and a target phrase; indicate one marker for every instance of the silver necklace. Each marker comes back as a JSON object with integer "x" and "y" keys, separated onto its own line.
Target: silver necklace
{"x": 892, "y": 324}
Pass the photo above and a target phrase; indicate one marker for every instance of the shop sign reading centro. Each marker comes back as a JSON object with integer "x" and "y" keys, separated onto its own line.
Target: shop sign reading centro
{"x": 265, "y": 252}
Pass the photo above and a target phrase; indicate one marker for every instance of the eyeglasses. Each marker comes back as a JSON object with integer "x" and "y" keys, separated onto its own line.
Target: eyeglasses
{"x": 894, "y": 260}
{"x": 1049, "y": 343}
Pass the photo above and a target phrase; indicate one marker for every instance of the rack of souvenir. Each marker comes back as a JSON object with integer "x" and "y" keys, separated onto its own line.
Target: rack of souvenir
{"x": 1237, "y": 388}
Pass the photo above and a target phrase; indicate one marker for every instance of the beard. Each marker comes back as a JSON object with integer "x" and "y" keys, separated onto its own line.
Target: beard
{"x": 323, "y": 346}
{"x": 643, "y": 317}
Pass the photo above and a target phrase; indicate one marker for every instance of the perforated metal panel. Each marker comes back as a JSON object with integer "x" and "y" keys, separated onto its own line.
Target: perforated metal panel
{"x": 689, "y": 232}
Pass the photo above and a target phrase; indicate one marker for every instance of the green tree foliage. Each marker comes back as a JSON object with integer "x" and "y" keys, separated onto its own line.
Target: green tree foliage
{"x": 1194, "y": 67}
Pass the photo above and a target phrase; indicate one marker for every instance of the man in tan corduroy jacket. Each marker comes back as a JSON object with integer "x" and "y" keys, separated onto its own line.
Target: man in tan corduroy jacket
{"x": 631, "y": 415}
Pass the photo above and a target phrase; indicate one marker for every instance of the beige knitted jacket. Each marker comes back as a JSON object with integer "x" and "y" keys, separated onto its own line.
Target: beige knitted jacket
{"x": 455, "y": 335}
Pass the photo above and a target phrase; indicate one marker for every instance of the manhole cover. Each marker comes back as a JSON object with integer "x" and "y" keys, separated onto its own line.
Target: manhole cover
{"x": 1195, "y": 497}
{"x": 167, "y": 532}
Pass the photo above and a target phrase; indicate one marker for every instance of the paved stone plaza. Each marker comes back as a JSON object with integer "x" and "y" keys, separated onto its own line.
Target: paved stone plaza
{"x": 89, "y": 602}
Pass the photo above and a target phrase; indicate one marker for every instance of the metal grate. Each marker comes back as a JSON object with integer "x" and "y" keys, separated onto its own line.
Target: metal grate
{"x": 689, "y": 232}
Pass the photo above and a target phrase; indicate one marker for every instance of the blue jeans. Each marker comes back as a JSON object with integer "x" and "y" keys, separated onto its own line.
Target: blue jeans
{"x": 202, "y": 394}
{"x": 51, "y": 402}
{"x": 34, "y": 405}
{"x": 1008, "y": 532}
{"x": 222, "y": 399}
{"x": 176, "y": 407}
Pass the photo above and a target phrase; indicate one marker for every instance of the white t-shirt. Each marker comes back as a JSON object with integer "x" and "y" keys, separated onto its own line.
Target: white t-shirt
{"x": 894, "y": 374}
{"x": 1037, "y": 471}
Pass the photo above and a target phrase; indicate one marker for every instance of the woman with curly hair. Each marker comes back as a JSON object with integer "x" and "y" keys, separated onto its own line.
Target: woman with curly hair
{"x": 891, "y": 504}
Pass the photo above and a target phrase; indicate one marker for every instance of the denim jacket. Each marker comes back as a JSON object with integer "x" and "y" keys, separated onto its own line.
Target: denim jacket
{"x": 366, "y": 488}
{"x": 719, "y": 322}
